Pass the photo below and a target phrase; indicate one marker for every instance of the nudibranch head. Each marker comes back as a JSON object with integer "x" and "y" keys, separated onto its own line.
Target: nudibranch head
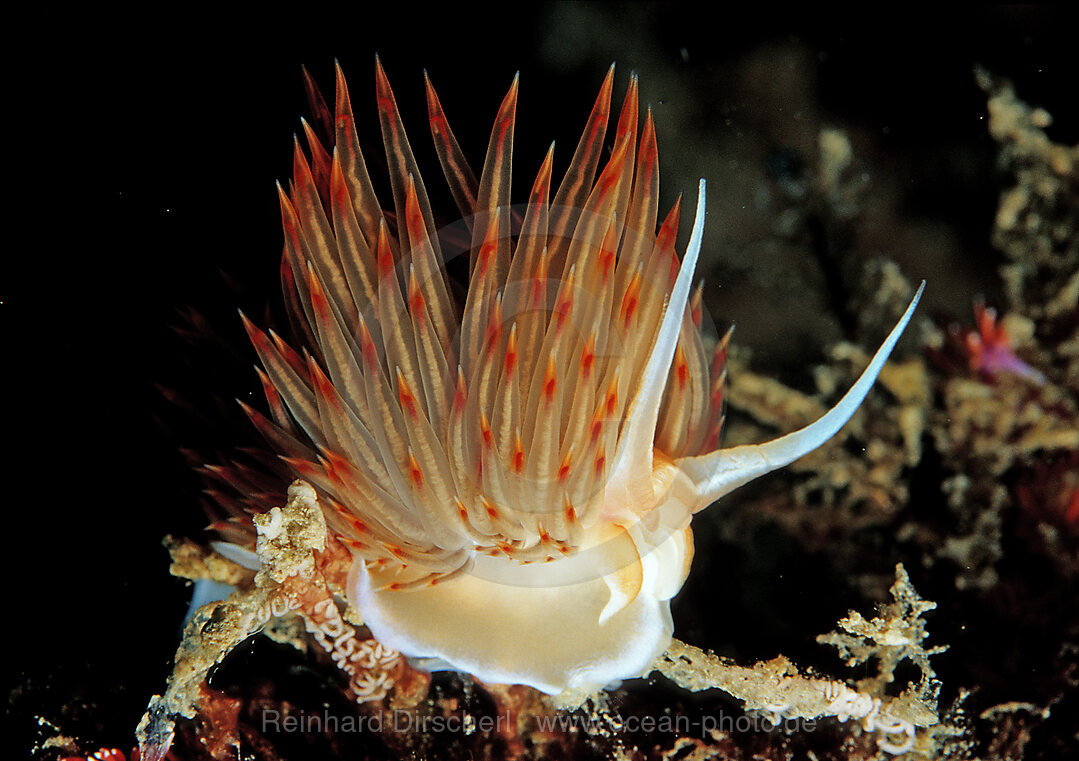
{"x": 515, "y": 477}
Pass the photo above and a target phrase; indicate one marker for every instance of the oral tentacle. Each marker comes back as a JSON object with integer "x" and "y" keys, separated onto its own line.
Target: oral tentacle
{"x": 721, "y": 472}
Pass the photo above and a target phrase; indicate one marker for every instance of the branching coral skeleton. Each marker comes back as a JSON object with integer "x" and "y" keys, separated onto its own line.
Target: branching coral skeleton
{"x": 300, "y": 573}
{"x": 778, "y": 688}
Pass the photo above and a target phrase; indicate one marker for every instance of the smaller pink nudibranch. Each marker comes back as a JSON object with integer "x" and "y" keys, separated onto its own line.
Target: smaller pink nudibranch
{"x": 515, "y": 478}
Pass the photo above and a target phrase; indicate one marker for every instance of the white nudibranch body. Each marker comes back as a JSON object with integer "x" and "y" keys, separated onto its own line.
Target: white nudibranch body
{"x": 516, "y": 484}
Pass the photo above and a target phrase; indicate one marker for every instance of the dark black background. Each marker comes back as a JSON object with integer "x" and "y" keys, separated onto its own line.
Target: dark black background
{"x": 145, "y": 155}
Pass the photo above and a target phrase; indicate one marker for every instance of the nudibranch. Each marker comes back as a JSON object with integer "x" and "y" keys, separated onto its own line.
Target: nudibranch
{"x": 514, "y": 476}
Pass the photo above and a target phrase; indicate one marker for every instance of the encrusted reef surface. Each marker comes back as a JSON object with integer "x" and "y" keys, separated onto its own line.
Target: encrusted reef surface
{"x": 909, "y": 590}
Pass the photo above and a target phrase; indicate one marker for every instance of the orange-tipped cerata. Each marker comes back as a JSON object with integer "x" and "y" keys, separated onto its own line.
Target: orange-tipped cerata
{"x": 537, "y": 447}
